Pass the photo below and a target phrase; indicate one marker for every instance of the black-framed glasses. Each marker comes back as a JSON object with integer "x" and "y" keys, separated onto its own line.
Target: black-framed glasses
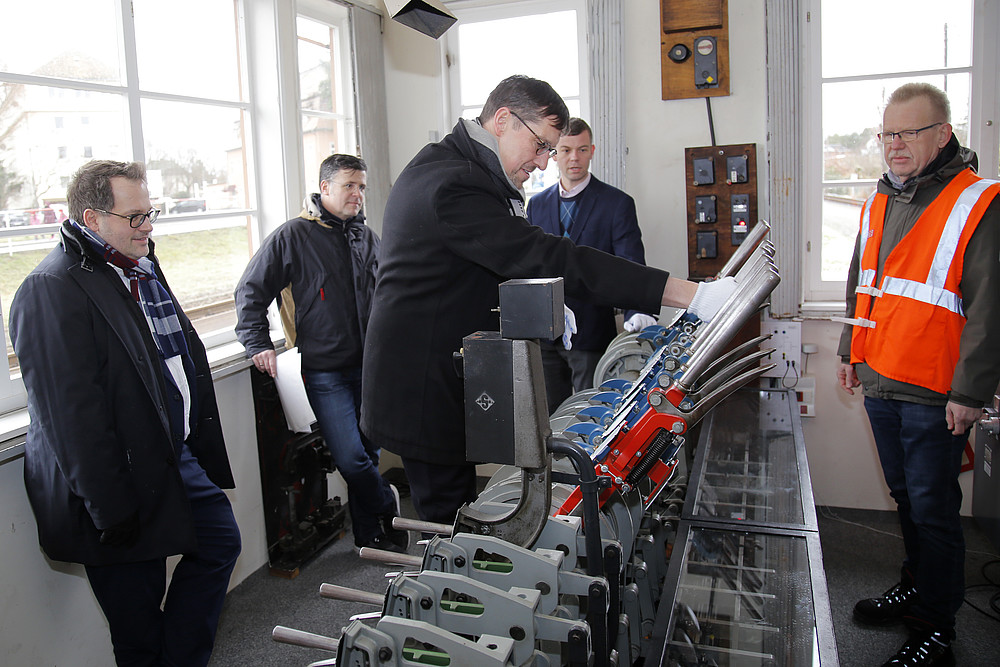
{"x": 135, "y": 220}
{"x": 543, "y": 146}
{"x": 906, "y": 135}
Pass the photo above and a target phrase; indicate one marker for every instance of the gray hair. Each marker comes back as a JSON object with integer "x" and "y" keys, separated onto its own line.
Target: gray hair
{"x": 937, "y": 98}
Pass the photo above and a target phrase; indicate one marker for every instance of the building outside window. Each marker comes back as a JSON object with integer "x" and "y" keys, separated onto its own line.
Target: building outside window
{"x": 116, "y": 96}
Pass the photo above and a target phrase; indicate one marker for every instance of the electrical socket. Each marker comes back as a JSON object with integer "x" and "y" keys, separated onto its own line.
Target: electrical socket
{"x": 786, "y": 340}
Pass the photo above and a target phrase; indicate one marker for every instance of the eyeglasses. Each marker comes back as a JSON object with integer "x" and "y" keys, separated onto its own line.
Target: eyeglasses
{"x": 135, "y": 220}
{"x": 543, "y": 146}
{"x": 906, "y": 135}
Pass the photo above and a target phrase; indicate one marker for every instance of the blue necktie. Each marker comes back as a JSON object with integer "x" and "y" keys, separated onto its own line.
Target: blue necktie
{"x": 567, "y": 214}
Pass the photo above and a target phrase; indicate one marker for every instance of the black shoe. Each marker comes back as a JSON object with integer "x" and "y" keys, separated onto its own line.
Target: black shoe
{"x": 925, "y": 649}
{"x": 887, "y": 609}
{"x": 400, "y": 538}
{"x": 384, "y": 543}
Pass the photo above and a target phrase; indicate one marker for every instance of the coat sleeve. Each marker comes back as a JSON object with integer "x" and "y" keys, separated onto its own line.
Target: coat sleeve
{"x": 481, "y": 229}
{"x": 851, "y": 298}
{"x": 267, "y": 273}
{"x": 53, "y": 329}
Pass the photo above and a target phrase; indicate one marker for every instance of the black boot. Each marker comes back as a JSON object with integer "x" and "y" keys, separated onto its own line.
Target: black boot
{"x": 890, "y": 607}
{"x": 924, "y": 649}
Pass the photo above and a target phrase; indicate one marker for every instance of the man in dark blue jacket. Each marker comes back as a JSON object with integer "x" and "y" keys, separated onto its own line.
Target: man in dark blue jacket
{"x": 321, "y": 268}
{"x": 124, "y": 460}
{"x": 591, "y": 213}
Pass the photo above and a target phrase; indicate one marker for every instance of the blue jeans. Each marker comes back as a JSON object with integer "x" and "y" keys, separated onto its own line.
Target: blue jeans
{"x": 335, "y": 397}
{"x": 183, "y": 632}
{"x": 921, "y": 460}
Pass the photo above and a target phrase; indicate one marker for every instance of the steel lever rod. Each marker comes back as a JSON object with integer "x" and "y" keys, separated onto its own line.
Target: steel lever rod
{"x": 302, "y": 638}
{"x": 335, "y": 592}
{"x": 403, "y": 523}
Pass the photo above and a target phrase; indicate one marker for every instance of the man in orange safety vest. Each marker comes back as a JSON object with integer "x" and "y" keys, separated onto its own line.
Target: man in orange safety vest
{"x": 923, "y": 321}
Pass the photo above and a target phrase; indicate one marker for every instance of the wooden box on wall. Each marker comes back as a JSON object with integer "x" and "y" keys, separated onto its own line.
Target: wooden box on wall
{"x": 685, "y": 24}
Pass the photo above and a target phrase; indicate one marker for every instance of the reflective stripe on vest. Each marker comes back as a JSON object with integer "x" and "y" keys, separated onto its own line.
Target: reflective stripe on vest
{"x": 939, "y": 235}
{"x": 933, "y": 290}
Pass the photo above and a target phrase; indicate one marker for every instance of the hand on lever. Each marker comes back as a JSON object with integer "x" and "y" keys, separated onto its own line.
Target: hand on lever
{"x": 570, "y": 320}
{"x": 638, "y": 322}
{"x": 710, "y": 297}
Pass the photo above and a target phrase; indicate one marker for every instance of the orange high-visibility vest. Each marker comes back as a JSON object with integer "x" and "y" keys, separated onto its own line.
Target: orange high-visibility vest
{"x": 909, "y": 327}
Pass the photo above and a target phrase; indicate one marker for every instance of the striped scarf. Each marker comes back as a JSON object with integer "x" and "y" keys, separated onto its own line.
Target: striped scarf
{"x": 154, "y": 299}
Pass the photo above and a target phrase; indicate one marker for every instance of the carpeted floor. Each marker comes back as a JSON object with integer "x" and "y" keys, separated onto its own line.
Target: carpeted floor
{"x": 861, "y": 551}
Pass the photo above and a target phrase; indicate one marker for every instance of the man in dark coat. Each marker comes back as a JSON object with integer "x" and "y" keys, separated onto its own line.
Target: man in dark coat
{"x": 453, "y": 230}
{"x": 592, "y": 213}
{"x": 124, "y": 460}
{"x": 321, "y": 267}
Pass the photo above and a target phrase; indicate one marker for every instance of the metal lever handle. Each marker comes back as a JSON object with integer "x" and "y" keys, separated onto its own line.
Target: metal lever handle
{"x": 302, "y": 638}
{"x": 403, "y": 523}
{"x": 334, "y": 592}
{"x": 749, "y": 244}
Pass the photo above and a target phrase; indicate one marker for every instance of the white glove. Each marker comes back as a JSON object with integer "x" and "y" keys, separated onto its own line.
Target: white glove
{"x": 570, "y": 320}
{"x": 638, "y": 322}
{"x": 710, "y": 297}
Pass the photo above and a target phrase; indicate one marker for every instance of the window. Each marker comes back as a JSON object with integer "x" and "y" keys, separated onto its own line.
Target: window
{"x": 187, "y": 117}
{"x": 326, "y": 87}
{"x": 857, "y": 59}
{"x": 559, "y": 58}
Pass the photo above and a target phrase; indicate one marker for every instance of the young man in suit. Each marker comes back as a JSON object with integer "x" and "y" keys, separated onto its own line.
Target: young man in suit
{"x": 592, "y": 213}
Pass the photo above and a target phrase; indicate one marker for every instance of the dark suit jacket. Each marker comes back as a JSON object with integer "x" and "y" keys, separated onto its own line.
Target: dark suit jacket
{"x": 100, "y": 445}
{"x": 606, "y": 220}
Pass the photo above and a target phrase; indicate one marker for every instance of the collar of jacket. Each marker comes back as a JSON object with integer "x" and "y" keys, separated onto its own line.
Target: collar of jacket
{"x": 953, "y": 159}
{"x": 313, "y": 210}
{"x": 73, "y": 243}
{"x": 485, "y": 149}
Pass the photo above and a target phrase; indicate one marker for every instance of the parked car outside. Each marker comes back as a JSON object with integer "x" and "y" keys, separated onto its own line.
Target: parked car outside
{"x": 13, "y": 218}
{"x": 187, "y": 206}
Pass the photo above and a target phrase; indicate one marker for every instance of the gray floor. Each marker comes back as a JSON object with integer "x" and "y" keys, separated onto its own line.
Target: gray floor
{"x": 861, "y": 552}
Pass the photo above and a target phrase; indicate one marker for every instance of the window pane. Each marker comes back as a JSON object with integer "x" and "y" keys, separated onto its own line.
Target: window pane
{"x": 861, "y": 37}
{"x": 19, "y": 254}
{"x": 45, "y": 139}
{"x": 205, "y": 62}
{"x": 196, "y": 152}
{"x": 841, "y": 222}
{"x": 83, "y": 44}
{"x": 326, "y": 92}
{"x": 316, "y": 63}
{"x": 202, "y": 261}
{"x": 549, "y": 39}
{"x": 852, "y": 116}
